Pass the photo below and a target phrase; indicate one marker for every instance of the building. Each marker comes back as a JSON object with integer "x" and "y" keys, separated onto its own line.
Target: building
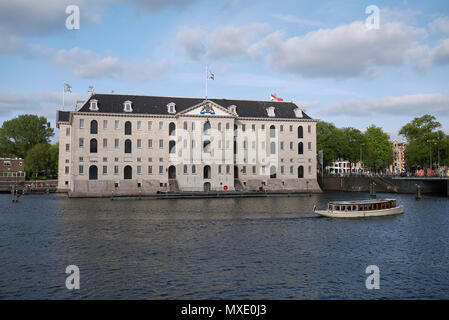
{"x": 12, "y": 171}
{"x": 399, "y": 163}
{"x": 134, "y": 144}
{"x": 342, "y": 167}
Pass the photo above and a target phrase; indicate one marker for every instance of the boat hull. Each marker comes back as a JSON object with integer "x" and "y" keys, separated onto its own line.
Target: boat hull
{"x": 361, "y": 214}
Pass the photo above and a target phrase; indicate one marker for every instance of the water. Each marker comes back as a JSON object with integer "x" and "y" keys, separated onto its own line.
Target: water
{"x": 246, "y": 248}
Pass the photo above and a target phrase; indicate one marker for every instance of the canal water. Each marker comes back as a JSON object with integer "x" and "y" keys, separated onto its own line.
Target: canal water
{"x": 242, "y": 248}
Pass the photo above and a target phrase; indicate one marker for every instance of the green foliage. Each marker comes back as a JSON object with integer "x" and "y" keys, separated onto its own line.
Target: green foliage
{"x": 331, "y": 140}
{"x": 21, "y": 134}
{"x": 379, "y": 149}
{"x": 424, "y": 138}
{"x": 54, "y": 157}
{"x": 355, "y": 139}
{"x": 38, "y": 159}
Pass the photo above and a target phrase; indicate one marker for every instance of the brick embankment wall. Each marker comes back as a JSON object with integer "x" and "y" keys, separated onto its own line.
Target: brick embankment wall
{"x": 382, "y": 184}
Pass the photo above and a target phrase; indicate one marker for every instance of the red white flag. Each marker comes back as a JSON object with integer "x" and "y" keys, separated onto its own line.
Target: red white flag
{"x": 273, "y": 97}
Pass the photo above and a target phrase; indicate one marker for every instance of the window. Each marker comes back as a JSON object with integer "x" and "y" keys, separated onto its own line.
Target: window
{"x": 139, "y": 143}
{"x": 185, "y": 125}
{"x": 128, "y": 128}
{"x": 193, "y": 126}
{"x": 161, "y": 125}
{"x": 193, "y": 144}
{"x": 150, "y": 169}
{"x": 273, "y": 172}
{"x": 309, "y": 129}
{"x": 282, "y": 145}
{"x": 272, "y": 131}
{"x": 243, "y": 128}
{"x": 139, "y": 169}
{"x": 150, "y": 143}
{"x": 81, "y": 123}
{"x": 185, "y": 169}
{"x": 193, "y": 168}
{"x": 281, "y": 128}
{"x": 161, "y": 144}
{"x": 150, "y": 159}
{"x": 81, "y": 142}
{"x": 227, "y": 126}
{"x": 300, "y": 172}
{"x": 93, "y": 146}
{"x": 127, "y": 106}
{"x": 93, "y": 127}
{"x": 93, "y": 173}
{"x": 172, "y": 147}
{"x": 139, "y": 125}
{"x": 228, "y": 169}
{"x": 67, "y": 132}
{"x": 270, "y": 111}
{"x": 161, "y": 169}
{"x": 244, "y": 169}
{"x": 206, "y": 146}
{"x": 105, "y": 170}
{"x": 93, "y": 105}
{"x": 81, "y": 170}
{"x": 67, "y": 170}
{"x": 254, "y": 169}
{"x": 150, "y": 125}
{"x": 282, "y": 169}
{"x": 273, "y": 148}
{"x": 219, "y": 169}
{"x": 105, "y": 143}
{"x": 128, "y": 146}
{"x": 291, "y": 128}
{"x": 105, "y": 124}
{"x": 171, "y": 129}
{"x": 115, "y": 169}
{"x": 262, "y": 127}
{"x": 253, "y": 127}
{"x": 81, "y": 159}
{"x": 300, "y": 132}
{"x": 206, "y": 128}
{"x": 206, "y": 172}
{"x": 300, "y": 148}
{"x": 253, "y": 145}
{"x": 116, "y": 124}
{"x": 219, "y": 126}
{"x": 309, "y": 146}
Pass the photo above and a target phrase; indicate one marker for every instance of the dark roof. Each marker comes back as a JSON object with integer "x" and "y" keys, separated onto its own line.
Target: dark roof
{"x": 62, "y": 116}
{"x": 113, "y": 103}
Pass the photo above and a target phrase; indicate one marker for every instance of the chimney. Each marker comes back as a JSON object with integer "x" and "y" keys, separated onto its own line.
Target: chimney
{"x": 91, "y": 92}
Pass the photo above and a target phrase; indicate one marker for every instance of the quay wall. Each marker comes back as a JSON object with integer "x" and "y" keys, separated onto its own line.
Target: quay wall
{"x": 384, "y": 184}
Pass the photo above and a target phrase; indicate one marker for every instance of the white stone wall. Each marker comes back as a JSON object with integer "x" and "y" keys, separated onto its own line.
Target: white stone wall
{"x": 221, "y": 154}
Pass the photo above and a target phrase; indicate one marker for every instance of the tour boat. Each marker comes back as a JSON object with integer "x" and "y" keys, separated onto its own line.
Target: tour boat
{"x": 361, "y": 208}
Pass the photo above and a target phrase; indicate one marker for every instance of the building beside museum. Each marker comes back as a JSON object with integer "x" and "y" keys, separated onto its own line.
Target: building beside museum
{"x": 399, "y": 163}
{"x": 136, "y": 144}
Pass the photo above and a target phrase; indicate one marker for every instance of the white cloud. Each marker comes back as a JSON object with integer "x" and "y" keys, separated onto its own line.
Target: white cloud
{"x": 346, "y": 51}
{"x": 416, "y": 104}
{"x": 297, "y": 20}
{"x": 191, "y": 39}
{"x": 440, "y": 25}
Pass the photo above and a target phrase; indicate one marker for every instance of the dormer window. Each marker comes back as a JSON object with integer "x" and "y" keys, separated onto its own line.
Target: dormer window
{"x": 298, "y": 113}
{"x": 93, "y": 105}
{"x": 232, "y": 109}
{"x": 171, "y": 108}
{"x": 270, "y": 111}
{"x": 127, "y": 106}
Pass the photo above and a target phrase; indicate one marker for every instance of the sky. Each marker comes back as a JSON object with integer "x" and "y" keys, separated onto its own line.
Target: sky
{"x": 329, "y": 57}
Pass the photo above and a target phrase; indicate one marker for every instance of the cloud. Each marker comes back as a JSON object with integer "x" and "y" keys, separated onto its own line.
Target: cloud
{"x": 297, "y": 20}
{"x": 222, "y": 42}
{"x": 346, "y": 51}
{"x": 416, "y": 104}
{"x": 42, "y": 103}
{"x": 191, "y": 40}
{"x": 440, "y": 25}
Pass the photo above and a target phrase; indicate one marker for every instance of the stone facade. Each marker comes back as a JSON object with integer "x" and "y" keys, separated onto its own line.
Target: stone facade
{"x": 203, "y": 147}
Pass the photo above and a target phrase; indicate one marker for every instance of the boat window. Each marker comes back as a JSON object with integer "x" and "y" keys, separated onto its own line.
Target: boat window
{"x": 366, "y": 207}
{"x": 360, "y": 208}
{"x": 337, "y": 208}
{"x": 354, "y": 208}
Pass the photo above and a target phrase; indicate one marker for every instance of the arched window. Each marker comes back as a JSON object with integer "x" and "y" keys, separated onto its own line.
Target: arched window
{"x": 300, "y": 148}
{"x": 128, "y": 173}
{"x": 206, "y": 172}
{"x": 300, "y": 132}
{"x": 93, "y": 173}
{"x": 206, "y": 128}
{"x": 171, "y": 129}
{"x": 273, "y": 147}
{"x": 128, "y": 128}
{"x": 273, "y": 172}
{"x": 272, "y": 131}
{"x": 172, "y": 146}
{"x": 128, "y": 146}
{"x": 206, "y": 146}
{"x": 300, "y": 172}
{"x": 93, "y": 127}
{"x": 93, "y": 145}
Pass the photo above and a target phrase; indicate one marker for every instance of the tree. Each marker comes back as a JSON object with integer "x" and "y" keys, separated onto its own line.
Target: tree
{"x": 354, "y": 138}
{"x": 21, "y": 134}
{"x": 332, "y": 141}
{"x": 379, "y": 149}
{"x": 424, "y": 139}
{"x": 37, "y": 159}
{"x": 54, "y": 157}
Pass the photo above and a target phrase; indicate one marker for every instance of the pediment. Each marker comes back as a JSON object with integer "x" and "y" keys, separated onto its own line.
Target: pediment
{"x": 207, "y": 108}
